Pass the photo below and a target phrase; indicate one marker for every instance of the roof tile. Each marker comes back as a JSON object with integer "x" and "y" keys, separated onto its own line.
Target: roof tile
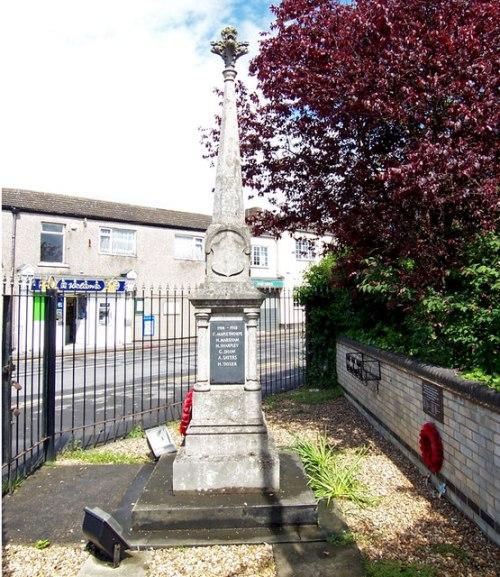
{"x": 64, "y": 205}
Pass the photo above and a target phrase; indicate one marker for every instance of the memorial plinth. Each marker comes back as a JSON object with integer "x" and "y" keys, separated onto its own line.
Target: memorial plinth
{"x": 227, "y": 447}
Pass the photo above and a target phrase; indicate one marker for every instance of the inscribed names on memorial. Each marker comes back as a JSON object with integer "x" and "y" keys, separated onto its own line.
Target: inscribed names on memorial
{"x": 432, "y": 400}
{"x": 227, "y": 352}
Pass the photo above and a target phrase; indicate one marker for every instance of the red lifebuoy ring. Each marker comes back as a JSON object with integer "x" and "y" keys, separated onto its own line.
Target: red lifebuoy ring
{"x": 187, "y": 409}
{"x": 431, "y": 447}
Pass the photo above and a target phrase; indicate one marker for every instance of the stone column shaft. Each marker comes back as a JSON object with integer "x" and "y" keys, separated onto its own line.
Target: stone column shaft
{"x": 202, "y": 317}
{"x": 252, "y": 379}
{"x": 228, "y": 199}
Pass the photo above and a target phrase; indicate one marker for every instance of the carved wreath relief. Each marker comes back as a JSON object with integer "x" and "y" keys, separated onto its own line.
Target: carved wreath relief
{"x": 229, "y": 253}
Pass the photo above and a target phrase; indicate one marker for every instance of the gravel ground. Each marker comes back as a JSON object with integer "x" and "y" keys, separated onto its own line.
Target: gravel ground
{"x": 217, "y": 561}
{"x": 409, "y": 523}
{"x": 54, "y": 561}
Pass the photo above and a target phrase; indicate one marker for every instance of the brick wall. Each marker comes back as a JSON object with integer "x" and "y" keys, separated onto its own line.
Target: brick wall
{"x": 470, "y": 430}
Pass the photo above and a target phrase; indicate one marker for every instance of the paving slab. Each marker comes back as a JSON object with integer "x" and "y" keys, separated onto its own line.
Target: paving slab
{"x": 49, "y": 504}
{"x": 135, "y": 564}
{"x": 317, "y": 560}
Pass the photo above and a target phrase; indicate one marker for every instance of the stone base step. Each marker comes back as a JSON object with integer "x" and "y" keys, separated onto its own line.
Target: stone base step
{"x": 158, "y": 508}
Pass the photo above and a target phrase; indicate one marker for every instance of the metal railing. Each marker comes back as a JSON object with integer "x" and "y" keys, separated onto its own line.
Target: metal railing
{"x": 87, "y": 364}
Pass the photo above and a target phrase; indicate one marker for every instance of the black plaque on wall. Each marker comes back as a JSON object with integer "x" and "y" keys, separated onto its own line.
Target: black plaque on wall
{"x": 227, "y": 352}
{"x": 432, "y": 400}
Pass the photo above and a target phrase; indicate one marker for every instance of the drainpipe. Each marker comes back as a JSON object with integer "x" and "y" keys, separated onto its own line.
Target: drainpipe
{"x": 15, "y": 213}
{"x": 13, "y": 238}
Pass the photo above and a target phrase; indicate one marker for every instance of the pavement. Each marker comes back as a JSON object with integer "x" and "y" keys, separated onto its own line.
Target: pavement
{"x": 49, "y": 505}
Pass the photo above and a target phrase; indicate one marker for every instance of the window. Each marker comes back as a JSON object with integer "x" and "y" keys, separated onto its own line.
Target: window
{"x": 52, "y": 242}
{"x": 260, "y": 256}
{"x": 139, "y": 306}
{"x": 189, "y": 247}
{"x": 118, "y": 241}
{"x": 172, "y": 307}
{"x": 81, "y": 302}
{"x": 304, "y": 249}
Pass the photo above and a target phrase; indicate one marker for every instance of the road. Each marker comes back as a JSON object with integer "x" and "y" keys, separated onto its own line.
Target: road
{"x": 94, "y": 391}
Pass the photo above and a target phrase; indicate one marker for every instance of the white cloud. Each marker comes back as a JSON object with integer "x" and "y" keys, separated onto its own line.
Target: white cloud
{"x": 103, "y": 98}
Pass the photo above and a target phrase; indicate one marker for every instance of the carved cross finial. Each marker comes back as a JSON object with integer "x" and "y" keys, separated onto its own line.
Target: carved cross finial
{"x": 229, "y": 49}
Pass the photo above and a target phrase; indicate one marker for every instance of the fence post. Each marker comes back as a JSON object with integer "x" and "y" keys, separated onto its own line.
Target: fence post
{"x": 49, "y": 373}
{"x": 7, "y": 369}
{"x": 308, "y": 345}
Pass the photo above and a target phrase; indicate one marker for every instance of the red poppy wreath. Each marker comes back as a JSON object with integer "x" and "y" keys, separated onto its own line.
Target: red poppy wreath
{"x": 187, "y": 409}
{"x": 431, "y": 447}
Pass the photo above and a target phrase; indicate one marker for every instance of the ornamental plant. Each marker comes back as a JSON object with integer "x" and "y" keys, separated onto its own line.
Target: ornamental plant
{"x": 376, "y": 121}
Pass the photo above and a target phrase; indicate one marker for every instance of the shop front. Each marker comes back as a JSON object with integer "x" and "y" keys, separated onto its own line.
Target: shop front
{"x": 91, "y": 314}
{"x": 270, "y": 309}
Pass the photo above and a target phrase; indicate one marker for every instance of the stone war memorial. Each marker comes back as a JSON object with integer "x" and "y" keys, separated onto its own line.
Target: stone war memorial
{"x": 227, "y": 474}
{"x": 227, "y": 446}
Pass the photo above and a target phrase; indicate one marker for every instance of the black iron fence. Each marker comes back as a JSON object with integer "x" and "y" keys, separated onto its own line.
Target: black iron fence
{"x": 89, "y": 363}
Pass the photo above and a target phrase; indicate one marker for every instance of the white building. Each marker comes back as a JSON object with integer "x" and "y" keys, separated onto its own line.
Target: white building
{"x": 108, "y": 258}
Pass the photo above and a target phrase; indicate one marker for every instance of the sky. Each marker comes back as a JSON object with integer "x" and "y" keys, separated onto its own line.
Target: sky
{"x": 104, "y": 98}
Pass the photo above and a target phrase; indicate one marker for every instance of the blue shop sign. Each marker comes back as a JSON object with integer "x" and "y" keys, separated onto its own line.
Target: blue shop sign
{"x": 80, "y": 284}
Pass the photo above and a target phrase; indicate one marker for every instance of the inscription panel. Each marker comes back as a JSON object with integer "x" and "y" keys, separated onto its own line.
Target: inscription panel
{"x": 227, "y": 352}
{"x": 432, "y": 400}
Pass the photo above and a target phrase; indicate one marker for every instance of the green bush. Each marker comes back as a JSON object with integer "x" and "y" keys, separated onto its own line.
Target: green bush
{"x": 328, "y": 313}
{"x": 455, "y": 325}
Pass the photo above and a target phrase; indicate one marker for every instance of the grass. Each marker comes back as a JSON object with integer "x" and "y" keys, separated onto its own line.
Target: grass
{"x": 333, "y": 474}
{"x": 136, "y": 432}
{"x": 272, "y": 402}
{"x": 448, "y": 549}
{"x": 398, "y": 569}
{"x": 42, "y": 544}
{"x": 344, "y": 538}
{"x": 75, "y": 452}
{"x": 94, "y": 457}
{"x": 316, "y": 396}
{"x": 12, "y": 485}
{"x": 173, "y": 426}
{"x": 303, "y": 396}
